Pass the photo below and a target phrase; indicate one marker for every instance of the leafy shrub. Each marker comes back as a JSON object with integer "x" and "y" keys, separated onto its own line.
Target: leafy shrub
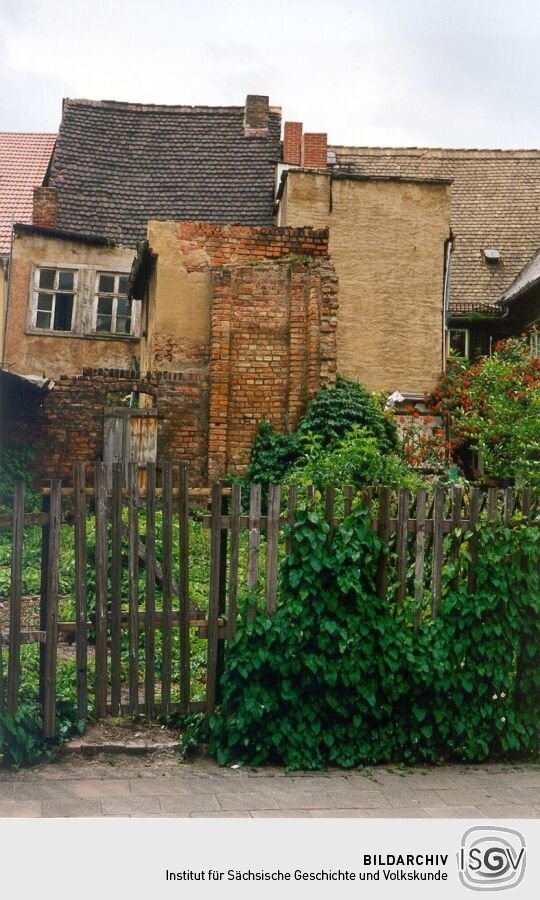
{"x": 355, "y": 459}
{"x": 21, "y": 735}
{"x": 335, "y": 411}
{"x": 17, "y": 462}
{"x": 494, "y": 406}
{"x": 338, "y": 677}
{"x": 332, "y": 415}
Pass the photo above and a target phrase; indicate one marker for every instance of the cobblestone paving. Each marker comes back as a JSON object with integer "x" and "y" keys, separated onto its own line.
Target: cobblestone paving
{"x": 160, "y": 787}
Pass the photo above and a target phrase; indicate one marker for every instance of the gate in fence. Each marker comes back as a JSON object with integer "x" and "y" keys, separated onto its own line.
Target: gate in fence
{"x": 135, "y": 622}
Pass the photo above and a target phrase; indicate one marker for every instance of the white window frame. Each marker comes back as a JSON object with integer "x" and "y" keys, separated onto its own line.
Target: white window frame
{"x": 534, "y": 340}
{"x": 53, "y": 292}
{"x": 466, "y": 331}
{"x": 114, "y": 296}
{"x": 84, "y": 316}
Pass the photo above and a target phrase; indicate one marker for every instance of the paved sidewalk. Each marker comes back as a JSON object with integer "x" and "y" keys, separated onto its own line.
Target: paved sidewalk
{"x": 158, "y": 786}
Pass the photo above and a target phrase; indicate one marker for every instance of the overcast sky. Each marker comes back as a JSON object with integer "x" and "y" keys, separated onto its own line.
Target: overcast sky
{"x": 381, "y": 72}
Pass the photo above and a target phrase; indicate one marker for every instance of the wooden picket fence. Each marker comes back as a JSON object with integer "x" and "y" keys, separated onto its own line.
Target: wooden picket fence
{"x": 421, "y": 533}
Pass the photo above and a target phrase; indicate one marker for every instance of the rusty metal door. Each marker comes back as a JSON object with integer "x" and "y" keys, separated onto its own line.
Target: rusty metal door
{"x": 130, "y": 435}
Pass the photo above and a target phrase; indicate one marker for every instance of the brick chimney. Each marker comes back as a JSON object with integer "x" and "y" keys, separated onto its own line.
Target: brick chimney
{"x": 44, "y": 207}
{"x": 314, "y": 151}
{"x": 292, "y": 143}
{"x": 256, "y": 115}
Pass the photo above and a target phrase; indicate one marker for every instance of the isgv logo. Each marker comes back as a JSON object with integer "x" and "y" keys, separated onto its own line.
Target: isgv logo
{"x": 491, "y": 858}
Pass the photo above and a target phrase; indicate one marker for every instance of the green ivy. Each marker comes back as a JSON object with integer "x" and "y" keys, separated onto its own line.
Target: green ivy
{"x": 339, "y": 677}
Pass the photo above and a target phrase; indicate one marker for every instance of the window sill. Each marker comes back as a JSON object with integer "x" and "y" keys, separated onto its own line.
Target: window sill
{"x": 97, "y": 336}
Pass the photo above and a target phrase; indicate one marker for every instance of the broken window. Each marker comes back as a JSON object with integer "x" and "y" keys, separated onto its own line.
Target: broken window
{"x": 113, "y": 309}
{"x": 54, "y": 294}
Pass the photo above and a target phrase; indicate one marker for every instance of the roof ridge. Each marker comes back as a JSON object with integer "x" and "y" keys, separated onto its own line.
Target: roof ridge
{"x": 28, "y": 134}
{"x": 161, "y": 107}
{"x": 403, "y": 149}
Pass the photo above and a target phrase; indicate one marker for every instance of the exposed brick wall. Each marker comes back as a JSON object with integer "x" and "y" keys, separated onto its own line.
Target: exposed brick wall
{"x": 45, "y": 207}
{"x": 223, "y": 244}
{"x": 74, "y": 418}
{"x": 272, "y": 346}
{"x": 292, "y": 143}
{"x": 314, "y": 151}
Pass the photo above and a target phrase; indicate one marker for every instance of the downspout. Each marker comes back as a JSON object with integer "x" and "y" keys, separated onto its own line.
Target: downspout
{"x": 448, "y": 247}
{"x": 7, "y": 277}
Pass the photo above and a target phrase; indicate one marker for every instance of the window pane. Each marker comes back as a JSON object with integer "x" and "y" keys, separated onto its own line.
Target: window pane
{"x": 65, "y": 281}
{"x": 45, "y": 301}
{"x": 458, "y": 341}
{"x": 43, "y": 320}
{"x": 104, "y": 323}
{"x": 123, "y": 284}
{"x": 105, "y": 306}
{"x": 106, "y": 284}
{"x": 123, "y": 325}
{"x": 123, "y": 308}
{"x": 46, "y": 278}
{"x": 63, "y": 312}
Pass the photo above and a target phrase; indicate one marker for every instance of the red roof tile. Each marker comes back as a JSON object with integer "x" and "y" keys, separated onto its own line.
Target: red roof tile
{"x": 24, "y": 159}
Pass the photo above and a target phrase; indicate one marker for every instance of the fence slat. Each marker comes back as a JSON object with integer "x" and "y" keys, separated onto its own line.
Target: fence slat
{"x": 100, "y": 477}
{"x": 51, "y": 628}
{"x": 213, "y": 600}
{"x": 253, "y": 545}
{"x": 455, "y": 524}
{"x": 347, "y": 499}
{"x": 401, "y": 543}
{"x": 17, "y": 543}
{"x": 272, "y": 547}
{"x": 133, "y": 579}
{"x": 474, "y": 515}
{"x": 150, "y": 590}
{"x": 81, "y": 589}
{"x": 292, "y": 501}
{"x": 492, "y": 504}
{"x": 383, "y": 530}
{"x": 184, "y": 648}
{"x": 236, "y": 508}
{"x": 166, "y": 627}
{"x": 526, "y": 502}
{"x": 508, "y": 507}
{"x": 421, "y": 497}
{"x": 116, "y": 587}
{"x": 329, "y": 504}
{"x": 437, "y": 549}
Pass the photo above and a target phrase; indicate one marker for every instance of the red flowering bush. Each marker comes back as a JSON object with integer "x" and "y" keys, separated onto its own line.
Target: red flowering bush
{"x": 494, "y": 406}
{"x": 423, "y": 441}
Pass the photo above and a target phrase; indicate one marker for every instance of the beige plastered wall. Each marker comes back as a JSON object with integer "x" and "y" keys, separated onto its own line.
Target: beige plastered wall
{"x": 179, "y": 302}
{"x": 387, "y": 244}
{"x": 51, "y": 355}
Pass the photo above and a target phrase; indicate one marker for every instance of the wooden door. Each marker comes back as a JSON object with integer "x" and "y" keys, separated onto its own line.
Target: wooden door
{"x": 130, "y": 435}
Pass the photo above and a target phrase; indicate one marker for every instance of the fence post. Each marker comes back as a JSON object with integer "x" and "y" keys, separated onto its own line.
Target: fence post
{"x": 81, "y": 591}
{"x": 401, "y": 543}
{"x": 437, "y": 549}
{"x": 213, "y": 600}
{"x": 100, "y": 478}
{"x": 383, "y": 530}
{"x": 17, "y": 541}
{"x": 150, "y": 587}
{"x": 43, "y": 589}
{"x": 236, "y": 508}
{"x": 272, "y": 546}
{"x": 183, "y": 577}
{"x": 253, "y": 547}
{"x": 167, "y": 588}
{"x": 116, "y": 586}
{"x": 421, "y": 497}
{"x": 133, "y": 577}
{"x": 51, "y": 628}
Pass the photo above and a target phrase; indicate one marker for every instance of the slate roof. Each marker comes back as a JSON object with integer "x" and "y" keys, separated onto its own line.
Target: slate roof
{"x": 117, "y": 165}
{"x": 23, "y": 163}
{"x": 495, "y": 202}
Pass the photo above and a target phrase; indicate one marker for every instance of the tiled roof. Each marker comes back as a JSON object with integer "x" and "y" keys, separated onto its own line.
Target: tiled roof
{"x": 23, "y": 163}
{"x": 495, "y": 202}
{"x": 527, "y": 278}
{"x": 117, "y": 165}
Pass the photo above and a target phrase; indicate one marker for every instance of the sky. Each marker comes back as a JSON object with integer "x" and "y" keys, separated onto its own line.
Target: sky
{"x": 453, "y": 73}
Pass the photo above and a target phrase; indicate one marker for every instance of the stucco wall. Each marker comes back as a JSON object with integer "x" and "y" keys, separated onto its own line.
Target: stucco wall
{"x": 52, "y": 356}
{"x": 387, "y": 244}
